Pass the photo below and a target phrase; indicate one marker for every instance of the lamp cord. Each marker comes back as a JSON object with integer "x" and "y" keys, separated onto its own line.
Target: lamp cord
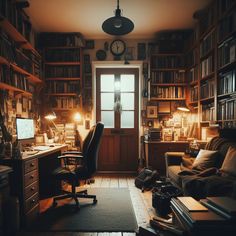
{"x": 118, "y": 7}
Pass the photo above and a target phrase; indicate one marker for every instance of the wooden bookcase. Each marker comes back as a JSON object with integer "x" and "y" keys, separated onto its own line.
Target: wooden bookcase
{"x": 20, "y": 63}
{"x": 63, "y": 64}
{"x": 212, "y": 76}
{"x": 226, "y": 63}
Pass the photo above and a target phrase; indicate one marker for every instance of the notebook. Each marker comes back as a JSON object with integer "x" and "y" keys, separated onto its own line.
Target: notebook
{"x": 226, "y": 204}
{"x": 191, "y": 204}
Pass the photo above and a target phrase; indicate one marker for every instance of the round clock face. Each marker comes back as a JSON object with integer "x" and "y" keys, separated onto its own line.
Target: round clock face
{"x": 101, "y": 55}
{"x": 117, "y": 47}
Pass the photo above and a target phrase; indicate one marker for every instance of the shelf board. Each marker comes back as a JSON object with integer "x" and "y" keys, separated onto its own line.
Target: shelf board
{"x": 31, "y": 77}
{"x": 168, "y": 69}
{"x": 167, "y": 54}
{"x": 226, "y": 66}
{"x": 63, "y": 47}
{"x": 3, "y": 61}
{"x": 170, "y": 84}
{"x": 226, "y": 95}
{"x": 210, "y": 99}
{"x": 15, "y": 89}
{"x": 62, "y": 94}
{"x": 226, "y": 38}
{"x": 16, "y": 36}
{"x": 207, "y": 54}
{"x": 166, "y": 99}
{"x": 193, "y": 103}
{"x": 63, "y": 78}
{"x": 63, "y": 63}
{"x": 62, "y": 109}
{"x": 194, "y": 83}
{"x": 207, "y": 76}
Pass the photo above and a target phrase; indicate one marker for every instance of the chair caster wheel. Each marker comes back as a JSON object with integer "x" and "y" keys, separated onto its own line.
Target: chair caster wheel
{"x": 95, "y": 201}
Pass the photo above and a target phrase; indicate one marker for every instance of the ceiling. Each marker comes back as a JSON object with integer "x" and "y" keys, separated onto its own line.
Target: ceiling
{"x": 87, "y": 16}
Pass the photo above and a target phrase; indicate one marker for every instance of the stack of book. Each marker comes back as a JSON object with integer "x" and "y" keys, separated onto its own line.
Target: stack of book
{"x": 196, "y": 219}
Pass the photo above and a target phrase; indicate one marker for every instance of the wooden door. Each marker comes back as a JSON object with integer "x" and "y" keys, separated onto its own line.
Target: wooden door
{"x": 117, "y": 106}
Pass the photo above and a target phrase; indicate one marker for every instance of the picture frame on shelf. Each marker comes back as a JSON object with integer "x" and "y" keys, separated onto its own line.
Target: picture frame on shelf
{"x": 89, "y": 44}
{"x": 149, "y": 123}
{"x": 129, "y": 54}
{"x": 141, "y": 51}
{"x": 151, "y": 111}
{"x": 164, "y": 107}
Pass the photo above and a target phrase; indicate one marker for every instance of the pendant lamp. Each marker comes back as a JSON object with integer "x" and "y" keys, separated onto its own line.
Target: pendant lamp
{"x": 117, "y": 25}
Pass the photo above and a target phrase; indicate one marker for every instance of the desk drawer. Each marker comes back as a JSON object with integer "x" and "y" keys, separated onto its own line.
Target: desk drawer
{"x": 31, "y": 202}
{"x": 31, "y": 165}
{"x": 31, "y": 177}
{"x": 31, "y": 190}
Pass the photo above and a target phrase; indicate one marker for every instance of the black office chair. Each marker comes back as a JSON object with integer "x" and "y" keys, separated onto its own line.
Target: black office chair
{"x": 83, "y": 171}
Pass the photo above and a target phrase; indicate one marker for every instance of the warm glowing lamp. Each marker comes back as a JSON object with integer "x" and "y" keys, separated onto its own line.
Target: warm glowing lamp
{"x": 182, "y": 107}
{"x": 77, "y": 117}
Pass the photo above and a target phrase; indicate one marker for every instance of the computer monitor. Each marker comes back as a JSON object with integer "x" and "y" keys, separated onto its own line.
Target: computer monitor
{"x": 25, "y": 130}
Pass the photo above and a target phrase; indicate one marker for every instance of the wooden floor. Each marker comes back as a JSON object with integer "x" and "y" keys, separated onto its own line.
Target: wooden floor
{"x": 141, "y": 203}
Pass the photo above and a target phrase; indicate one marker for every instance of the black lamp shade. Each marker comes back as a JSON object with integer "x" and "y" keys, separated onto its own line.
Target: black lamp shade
{"x": 117, "y": 25}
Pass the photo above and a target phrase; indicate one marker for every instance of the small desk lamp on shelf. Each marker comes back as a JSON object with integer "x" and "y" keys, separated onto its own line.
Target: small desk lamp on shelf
{"x": 50, "y": 116}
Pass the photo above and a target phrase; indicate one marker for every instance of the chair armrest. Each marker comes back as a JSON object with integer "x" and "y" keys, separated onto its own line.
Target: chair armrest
{"x": 173, "y": 158}
{"x": 67, "y": 156}
{"x": 72, "y": 152}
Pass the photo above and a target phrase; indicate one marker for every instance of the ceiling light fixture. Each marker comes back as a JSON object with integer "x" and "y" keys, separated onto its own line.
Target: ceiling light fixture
{"x": 117, "y": 25}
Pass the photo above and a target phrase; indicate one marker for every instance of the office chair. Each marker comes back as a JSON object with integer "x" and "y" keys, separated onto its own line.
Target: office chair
{"x": 82, "y": 171}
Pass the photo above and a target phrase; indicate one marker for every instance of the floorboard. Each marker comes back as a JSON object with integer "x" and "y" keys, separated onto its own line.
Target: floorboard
{"x": 141, "y": 203}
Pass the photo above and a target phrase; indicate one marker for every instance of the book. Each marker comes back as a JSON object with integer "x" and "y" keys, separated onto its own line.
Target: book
{"x": 191, "y": 204}
{"x": 208, "y": 204}
{"x": 225, "y": 204}
{"x": 198, "y": 218}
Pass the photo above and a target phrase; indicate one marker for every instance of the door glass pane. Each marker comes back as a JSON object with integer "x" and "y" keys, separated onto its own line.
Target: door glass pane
{"x": 107, "y": 101}
{"x": 127, "y": 83}
{"x": 107, "y": 118}
{"x": 107, "y": 83}
{"x": 127, "y": 119}
{"x": 127, "y": 101}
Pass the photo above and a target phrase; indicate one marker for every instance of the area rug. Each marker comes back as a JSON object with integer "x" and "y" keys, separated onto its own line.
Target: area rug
{"x": 112, "y": 213}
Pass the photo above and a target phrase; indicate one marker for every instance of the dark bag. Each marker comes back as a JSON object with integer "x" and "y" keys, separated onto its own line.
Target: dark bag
{"x": 146, "y": 179}
{"x": 161, "y": 198}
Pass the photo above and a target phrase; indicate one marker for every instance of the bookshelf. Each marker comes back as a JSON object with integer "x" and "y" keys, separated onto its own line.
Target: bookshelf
{"x": 167, "y": 77}
{"x": 226, "y": 73}
{"x": 211, "y": 49}
{"x": 63, "y": 63}
{"x": 87, "y": 85}
{"x": 20, "y": 63}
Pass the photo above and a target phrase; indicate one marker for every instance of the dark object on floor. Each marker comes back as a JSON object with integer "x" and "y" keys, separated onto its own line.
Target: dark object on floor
{"x": 81, "y": 171}
{"x": 146, "y": 179}
{"x": 161, "y": 197}
{"x": 113, "y": 213}
{"x": 146, "y": 231}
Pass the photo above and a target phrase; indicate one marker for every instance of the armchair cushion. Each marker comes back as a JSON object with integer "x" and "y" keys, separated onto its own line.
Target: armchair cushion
{"x": 205, "y": 159}
{"x": 229, "y": 164}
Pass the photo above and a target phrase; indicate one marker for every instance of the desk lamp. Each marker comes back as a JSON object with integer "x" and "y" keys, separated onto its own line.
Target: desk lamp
{"x": 50, "y": 117}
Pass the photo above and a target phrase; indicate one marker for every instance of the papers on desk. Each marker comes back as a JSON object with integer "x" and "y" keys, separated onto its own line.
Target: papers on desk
{"x": 41, "y": 148}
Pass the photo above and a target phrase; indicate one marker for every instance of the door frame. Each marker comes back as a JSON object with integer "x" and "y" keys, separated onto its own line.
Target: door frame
{"x": 120, "y": 64}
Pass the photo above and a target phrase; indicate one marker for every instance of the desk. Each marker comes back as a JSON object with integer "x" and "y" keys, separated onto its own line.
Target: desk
{"x": 4, "y": 196}
{"x": 30, "y": 175}
{"x": 155, "y": 152}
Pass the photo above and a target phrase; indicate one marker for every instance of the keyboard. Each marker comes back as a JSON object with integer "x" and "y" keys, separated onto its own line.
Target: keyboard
{"x": 41, "y": 148}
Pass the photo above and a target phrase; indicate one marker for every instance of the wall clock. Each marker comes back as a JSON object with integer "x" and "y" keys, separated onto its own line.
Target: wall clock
{"x": 117, "y": 47}
{"x": 101, "y": 55}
